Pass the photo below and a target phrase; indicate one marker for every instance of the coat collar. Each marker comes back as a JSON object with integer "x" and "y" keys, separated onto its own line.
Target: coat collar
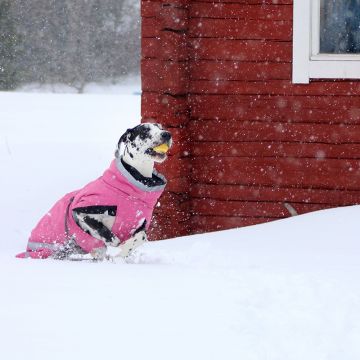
{"x": 125, "y": 173}
{"x": 118, "y": 177}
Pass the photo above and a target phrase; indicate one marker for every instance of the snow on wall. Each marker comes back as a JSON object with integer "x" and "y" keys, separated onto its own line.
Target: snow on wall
{"x": 254, "y": 146}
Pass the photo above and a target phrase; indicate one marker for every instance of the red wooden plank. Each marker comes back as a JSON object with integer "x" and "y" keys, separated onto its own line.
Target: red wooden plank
{"x": 176, "y": 3}
{"x": 249, "y": 108}
{"x": 150, "y": 48}
{"x": 154, "y": 84}
{"x": 162, "y": 228}
{"x": 164, "y": 76}
{"x": 329, "y": 174}
{"x": 257, "y": 132}
{"x": 241, "y": 29}
{"x": 282, "y": 102}
{"x": 241, "y": 11}
{"x": 200, "y": 224}
{"x": 275, "y": 87}
{"x": 216, "y": 49}
{"x": 169, "y": 46}
{"x": 165, "y": 17}
{"x": 259, "y": 193}
{"x": 172, "y": 200}
{"x": 158, "y": 67}
{"x": 173, "y": 215}
{"x": 174, "y": 168}
{"x": 164, "y": 108}
{"x": 284, "y": 108}
{"x": 238, "y": 70}
{"x": 150, "y": 27}
{"x": 180, "y": 148}
{"x": 243, "y": 50}
{"x": 294, "y": 150}
{"x": 250, "y": 209}
{"x": 250, "y": 2}
{"x": 153, "y": 103}
{"x": 150, "y": 8}
{"x": 170, "y": 214}
{"x": 328, "y": 116}
{"x": 178, "y": 185}
{"x": 173, "y": 207}
{"x": 170, "y": 119}
{"x": 174, "y": 18}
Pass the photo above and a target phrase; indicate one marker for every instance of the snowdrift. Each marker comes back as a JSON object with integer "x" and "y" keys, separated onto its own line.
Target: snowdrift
{"x": 283, "y": 290}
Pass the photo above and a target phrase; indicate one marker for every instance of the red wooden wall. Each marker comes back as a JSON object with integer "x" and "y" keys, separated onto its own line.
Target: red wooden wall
{"x": 250, "y": 145}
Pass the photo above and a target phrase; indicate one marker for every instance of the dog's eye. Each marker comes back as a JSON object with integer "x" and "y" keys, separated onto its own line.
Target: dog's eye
{"x": 144, "y": 134}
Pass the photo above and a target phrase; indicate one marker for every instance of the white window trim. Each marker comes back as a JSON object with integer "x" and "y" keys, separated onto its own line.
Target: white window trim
{"x": 307, "y": 62}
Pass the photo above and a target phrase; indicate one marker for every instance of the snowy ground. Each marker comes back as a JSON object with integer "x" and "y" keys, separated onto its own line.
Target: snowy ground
{"x": 281, "y": 291}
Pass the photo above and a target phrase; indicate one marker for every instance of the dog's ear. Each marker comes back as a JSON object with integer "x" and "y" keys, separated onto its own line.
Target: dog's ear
{"x": 124, "y": 137}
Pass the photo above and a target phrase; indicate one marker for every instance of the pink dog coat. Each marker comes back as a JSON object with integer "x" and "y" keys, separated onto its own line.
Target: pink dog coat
{"x": 134, "y": 202}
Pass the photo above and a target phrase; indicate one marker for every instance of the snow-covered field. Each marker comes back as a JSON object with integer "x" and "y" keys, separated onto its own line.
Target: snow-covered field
{"x": 281, "y": 291}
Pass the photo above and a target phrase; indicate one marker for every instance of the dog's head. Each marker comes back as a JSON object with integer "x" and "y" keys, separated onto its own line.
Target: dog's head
{"x": 146, "y": 140}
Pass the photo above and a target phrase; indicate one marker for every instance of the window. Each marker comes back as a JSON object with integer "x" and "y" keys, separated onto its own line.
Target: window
{"x": 326, "y": 40}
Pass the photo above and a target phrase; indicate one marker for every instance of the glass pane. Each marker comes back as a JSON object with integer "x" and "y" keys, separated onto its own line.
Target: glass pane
{"x": 340, "y": 26}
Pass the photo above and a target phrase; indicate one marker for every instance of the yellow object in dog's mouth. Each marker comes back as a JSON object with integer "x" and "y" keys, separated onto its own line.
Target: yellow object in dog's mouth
{"x": 161, "y": 149}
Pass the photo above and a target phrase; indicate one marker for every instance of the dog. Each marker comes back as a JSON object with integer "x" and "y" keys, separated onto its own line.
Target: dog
{"x": 108, "y": 217}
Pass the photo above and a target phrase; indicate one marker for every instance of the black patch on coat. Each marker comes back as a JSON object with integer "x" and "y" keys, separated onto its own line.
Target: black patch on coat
{"x": 96, "y": 210}
{"x": 141, "y": 228}
{"x": 100, "y": 228}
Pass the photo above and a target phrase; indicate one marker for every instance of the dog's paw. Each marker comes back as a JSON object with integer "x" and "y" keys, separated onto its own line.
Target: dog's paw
{"x": 112, "y": 251}
{"x": 98, "y": 253}
{"x": 116, "y": 259}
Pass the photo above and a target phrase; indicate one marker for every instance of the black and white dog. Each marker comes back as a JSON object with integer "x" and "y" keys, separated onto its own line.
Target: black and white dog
{"x": 114, "y": 210}
{"x": 143, "y": 146}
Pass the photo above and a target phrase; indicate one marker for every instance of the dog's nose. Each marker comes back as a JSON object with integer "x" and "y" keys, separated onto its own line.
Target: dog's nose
{"x": 166, "y": 136}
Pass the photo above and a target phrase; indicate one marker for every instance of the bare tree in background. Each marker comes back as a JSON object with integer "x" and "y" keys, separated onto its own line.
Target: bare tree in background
{"x": 9, "y": 40}
{"x": 77, "y": 41}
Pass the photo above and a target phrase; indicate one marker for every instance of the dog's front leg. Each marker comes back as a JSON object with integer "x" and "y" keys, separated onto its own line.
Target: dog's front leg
{"x": 125, "y": 249}
{"x": 130, "y": 245}
{"x": 113, "y": 249}
{"x": 138, "y": 238}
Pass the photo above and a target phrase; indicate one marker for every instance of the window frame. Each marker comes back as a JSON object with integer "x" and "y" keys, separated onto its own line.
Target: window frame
{"x": 307, "y": 62}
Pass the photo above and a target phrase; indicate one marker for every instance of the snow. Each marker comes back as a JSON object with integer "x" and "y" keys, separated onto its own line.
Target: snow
{"x": 282, "y": 290}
